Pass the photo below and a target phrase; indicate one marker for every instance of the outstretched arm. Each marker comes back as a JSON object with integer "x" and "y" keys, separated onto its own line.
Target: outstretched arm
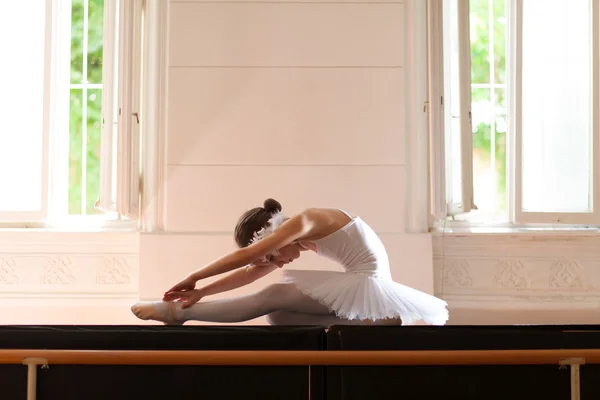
{"x": 234, "y": 280}
{"x": 291, "y": 230}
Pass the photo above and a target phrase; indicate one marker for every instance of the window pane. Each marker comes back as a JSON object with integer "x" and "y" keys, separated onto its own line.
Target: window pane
{"x": 21, "y": 104}
{"x": 499, "y": 22}
{"x": 77, "y": 13}
{"x": 489, "y": 155}
{"x": 484, "y": 175}
{"x": 86, "y": 105}
{"x": 500, "y": 128}
{"x": 480, "y": 39}
{"x": 94, "y": 110}
{"x": 95, "y": 40}
{"x": 556, "y": 106}
{"x": 75, "y": 151}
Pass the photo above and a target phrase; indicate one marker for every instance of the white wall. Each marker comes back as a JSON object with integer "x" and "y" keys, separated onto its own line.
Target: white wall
{"x": 301, "y": 101}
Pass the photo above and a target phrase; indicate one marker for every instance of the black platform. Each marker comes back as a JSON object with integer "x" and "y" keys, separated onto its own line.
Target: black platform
{"x": 70, "y": 382}
{"x": 78, "y": 382}
{"x": 521, "y": 382}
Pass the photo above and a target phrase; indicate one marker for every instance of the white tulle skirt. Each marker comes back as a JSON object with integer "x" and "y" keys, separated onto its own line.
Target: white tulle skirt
{"x": 364, "y": 297}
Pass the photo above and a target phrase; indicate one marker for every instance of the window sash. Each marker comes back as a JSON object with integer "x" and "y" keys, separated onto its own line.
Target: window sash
{"x": 123, "y": 19}
{"x": 442, "y": 205}
{"x": 60, "y": 113}
{"x": 466, "y": 125}
{"x": 437, "y": 154}
{"x": 52, "y": 19}
{"x": 129, "y": 78}
{"x": 107, "y": 202}
{"x": 515, "y": 121}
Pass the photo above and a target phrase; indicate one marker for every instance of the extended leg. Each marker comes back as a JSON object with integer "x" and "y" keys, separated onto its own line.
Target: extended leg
{"x": 277, "y": 297}
{"x": 294, "y": 318}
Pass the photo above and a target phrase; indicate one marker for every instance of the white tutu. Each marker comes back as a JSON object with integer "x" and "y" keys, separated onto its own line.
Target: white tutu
{"x": 353, "y": 295}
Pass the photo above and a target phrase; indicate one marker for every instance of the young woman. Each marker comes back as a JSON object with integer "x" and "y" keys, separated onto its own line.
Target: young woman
{"x": 363, "y": 294}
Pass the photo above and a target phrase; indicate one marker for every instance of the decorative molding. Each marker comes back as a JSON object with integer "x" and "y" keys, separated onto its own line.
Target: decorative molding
{"x": 47, "y": 264}
{"x": 456, "y": 274}
{"x": 8, "y": 272}
{"x": 116, "y": 271}
{"x": 513, "y": 271}
{"x": 57, "y": 271}
{"x": 511, "y": 274}
{"x": 567, "y": 274}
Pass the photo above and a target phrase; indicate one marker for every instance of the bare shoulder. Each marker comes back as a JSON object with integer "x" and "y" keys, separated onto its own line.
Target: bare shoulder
{"x": 322, "y": 221}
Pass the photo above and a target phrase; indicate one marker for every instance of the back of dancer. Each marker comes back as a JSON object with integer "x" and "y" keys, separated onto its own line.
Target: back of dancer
{"x": 356, "y": 247}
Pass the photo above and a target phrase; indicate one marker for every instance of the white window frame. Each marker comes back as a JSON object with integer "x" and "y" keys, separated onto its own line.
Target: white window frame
{"x": 440, "y": 207}
{"x": 515, "y": 121}
{"x": 54, "y": 212}
{"x": 442, "y": 204}
{"x": 437, "y": 154}
{"x": 52, "y": 19}
{"x": 128, "y": 51}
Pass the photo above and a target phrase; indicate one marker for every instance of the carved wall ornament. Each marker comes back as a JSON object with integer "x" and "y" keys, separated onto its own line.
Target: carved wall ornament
{"x": 57, "y": 271}
{"x": 456, "y": 273}
{"x": 567, "y": 274}
{"x": 114, "y": 271}
{"x": 8, "y": 268}
{"x": 511, "y": 274}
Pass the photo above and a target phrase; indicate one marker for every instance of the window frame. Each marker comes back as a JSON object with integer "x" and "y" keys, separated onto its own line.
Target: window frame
{"x": 55, "y": 133}
{"x": 515, "y": 117}
{"x": 52, "y": 17}
{"x": 437, "y": 142}
{"x": 128, "y": 50}
{"x": 517, "y": 218}
{"x": 442, "y": 204}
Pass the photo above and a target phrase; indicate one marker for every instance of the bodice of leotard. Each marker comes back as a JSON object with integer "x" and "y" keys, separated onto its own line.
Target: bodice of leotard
{"x": 356, "y": 247}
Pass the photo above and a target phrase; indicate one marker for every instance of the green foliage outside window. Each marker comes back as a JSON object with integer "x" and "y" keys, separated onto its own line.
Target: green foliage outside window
{"x": 480, "y": 74}
{"x": 94, "y": 105}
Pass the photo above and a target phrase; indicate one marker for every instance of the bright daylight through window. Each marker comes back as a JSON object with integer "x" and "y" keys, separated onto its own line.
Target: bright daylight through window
{"x": 519, "y": 111}
{"x": 61, "y": 158}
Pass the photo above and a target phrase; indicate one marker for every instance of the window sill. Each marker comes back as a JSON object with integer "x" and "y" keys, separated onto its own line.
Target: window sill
{"x": 84, "y": 224}
{"x": 475, "y": 229}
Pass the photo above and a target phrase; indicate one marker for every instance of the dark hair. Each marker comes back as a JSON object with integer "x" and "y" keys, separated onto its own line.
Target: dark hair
{"x": 254, "y": 220}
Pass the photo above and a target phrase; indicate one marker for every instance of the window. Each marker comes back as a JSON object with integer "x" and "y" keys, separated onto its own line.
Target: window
{"x": 75, "y": 65}
{"x": 516, "y": 125}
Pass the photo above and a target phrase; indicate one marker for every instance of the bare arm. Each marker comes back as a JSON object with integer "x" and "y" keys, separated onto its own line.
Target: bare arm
{"x": 236, "y": 279}
{"x": 291, "y": 230}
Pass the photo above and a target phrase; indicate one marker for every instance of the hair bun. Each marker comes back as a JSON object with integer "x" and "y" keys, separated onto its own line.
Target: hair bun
{"x": 272, "y": 205}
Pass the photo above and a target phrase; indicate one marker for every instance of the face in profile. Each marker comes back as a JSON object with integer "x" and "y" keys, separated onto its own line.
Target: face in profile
{"x": 286, "y": 254}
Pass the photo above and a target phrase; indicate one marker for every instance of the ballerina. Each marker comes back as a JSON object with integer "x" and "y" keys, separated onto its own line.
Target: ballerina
{"x": 364, "y": 293}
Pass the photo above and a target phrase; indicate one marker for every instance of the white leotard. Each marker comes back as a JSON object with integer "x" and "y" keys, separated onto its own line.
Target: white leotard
{"x": 365, "y": 290}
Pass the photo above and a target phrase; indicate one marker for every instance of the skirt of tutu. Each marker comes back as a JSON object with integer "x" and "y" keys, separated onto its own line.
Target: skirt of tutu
{"x": 360, "y": 296}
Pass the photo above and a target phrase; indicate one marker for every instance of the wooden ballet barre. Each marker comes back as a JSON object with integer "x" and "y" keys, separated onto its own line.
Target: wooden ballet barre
{"x": 300, "y": 358}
